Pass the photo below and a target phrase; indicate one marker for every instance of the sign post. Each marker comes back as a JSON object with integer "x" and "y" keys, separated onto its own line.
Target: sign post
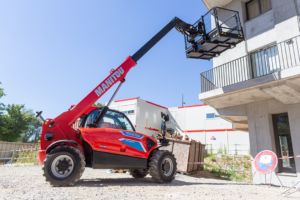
{"x": 265, "y": 163}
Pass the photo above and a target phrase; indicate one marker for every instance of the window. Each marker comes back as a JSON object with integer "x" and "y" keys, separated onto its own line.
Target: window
{"x": 211, "y": 116}
{"x": 112, "y": 119}
{"x": 130, "y": 111}
{"x": 283, "y": 142}
{"x": 257, "y": 7}
{"x": 265, "y": 61}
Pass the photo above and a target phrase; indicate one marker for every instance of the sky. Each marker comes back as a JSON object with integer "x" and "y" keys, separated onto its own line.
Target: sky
{"x": 53, "y": 53}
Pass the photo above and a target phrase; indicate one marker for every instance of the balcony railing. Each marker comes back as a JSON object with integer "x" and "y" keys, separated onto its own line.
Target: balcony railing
{"x": 262, "y": 62}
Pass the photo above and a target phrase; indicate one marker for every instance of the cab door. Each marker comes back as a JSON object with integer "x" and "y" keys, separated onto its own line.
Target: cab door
{"x": 109, "y": 142}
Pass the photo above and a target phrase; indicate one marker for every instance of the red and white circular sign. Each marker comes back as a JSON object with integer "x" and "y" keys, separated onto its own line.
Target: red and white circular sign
{"x": 265, "y": 162}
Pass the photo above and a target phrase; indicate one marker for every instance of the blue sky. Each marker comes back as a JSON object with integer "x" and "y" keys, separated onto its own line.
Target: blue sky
{"x": 53, "y": 53}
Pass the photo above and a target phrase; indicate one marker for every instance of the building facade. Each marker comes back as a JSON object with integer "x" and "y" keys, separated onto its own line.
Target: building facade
{"x": 202, "y": 123}
{"x": 256, "y": 85}
{"x": 198, "y": 122}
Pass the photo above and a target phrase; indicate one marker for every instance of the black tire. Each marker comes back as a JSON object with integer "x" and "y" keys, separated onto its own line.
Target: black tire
{"x": 157, "y": 165}
{"x": 138, "y": 173}
{"x": 71, "y": 157}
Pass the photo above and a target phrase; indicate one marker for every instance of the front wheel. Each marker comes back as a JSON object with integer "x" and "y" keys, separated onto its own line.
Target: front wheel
{"x": 163, "y": 166}
{"x": 63, "y": 166}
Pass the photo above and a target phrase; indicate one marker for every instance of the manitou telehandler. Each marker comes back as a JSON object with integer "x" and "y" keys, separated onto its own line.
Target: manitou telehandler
{"x": 106, "y": 139}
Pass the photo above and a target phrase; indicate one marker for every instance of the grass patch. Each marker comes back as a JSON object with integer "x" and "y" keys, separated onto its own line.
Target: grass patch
{"x": 26, "y": 157}
{"x": 243, "y": 176}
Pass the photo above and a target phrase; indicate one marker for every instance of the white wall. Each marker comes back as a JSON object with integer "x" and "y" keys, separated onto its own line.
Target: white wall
{"x": 193, "y": 122}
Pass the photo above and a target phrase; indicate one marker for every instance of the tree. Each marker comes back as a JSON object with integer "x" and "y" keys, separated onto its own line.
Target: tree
{"x": 14, "y": 122}
{"x": 33, "y": 132}
{"x": 98, "y": 104}
{"x": 1, "y": 95}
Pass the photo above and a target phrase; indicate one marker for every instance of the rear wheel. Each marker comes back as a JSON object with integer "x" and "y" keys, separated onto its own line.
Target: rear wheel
{"x": 163, "y": 166}
{"x": 63, "y": 166}
{"x": 138, "y": 173}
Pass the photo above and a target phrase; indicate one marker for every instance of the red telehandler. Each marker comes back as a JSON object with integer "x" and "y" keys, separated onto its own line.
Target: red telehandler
{"x": 106, "y": 139}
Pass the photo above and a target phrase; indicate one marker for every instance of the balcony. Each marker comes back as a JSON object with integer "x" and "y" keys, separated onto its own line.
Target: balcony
{"x": 272, "y": 72}
{"x": 263, "y": 62}
{"x": 212, "y": 3}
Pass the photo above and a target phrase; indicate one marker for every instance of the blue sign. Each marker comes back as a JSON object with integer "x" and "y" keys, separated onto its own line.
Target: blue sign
{"x": 131, "y": 134}
{"x": 134, "y": 144}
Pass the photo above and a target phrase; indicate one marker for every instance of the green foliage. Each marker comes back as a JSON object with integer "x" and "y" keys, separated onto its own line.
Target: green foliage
{"x": 220, "y": 150}
{"x": 14, "y": 122}
{"x": 98, "y": 104}
{"x": 26, "y": 156}
{"x": 225, "y": 149}
{"x": 1, "y": 95}
{"x": 243, "y": 176}
{"x": 210, "y": 150}
{"x": 34, "y": 128}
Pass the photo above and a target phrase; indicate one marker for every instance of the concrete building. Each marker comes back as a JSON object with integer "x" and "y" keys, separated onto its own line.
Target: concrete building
{"x": 256, "y": 85}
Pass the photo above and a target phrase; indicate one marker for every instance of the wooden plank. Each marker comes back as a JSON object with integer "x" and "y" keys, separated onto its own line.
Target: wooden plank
{"x": 177, "y": 141}
{"x": 192, "y": 157}
{"x": 202, "y": 154}
{"x": 197, "y": 148}
{"x": 199, "y": 157}
{"x": 181, "y": 153}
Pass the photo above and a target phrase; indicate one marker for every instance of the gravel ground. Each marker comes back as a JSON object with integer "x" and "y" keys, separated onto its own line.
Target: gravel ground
{"x": 28, "y": 183}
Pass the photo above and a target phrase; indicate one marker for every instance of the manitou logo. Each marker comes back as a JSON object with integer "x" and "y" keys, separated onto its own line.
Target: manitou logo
{"x": 109, "y": 81}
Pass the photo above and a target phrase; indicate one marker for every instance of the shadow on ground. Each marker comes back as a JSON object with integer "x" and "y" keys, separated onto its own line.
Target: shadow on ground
{"x": 139, "y": 182}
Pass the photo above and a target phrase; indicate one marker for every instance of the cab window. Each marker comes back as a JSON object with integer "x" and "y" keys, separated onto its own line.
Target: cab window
{"x": 111, "y": 119}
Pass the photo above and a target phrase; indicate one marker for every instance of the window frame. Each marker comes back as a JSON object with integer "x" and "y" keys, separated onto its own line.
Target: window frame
{"x": 85, "y": 117}
{"x": 259, "y": 9}
{"x": 255, "y": 70}
{"x": 215, "y": 116}
{"x": 277, "y": 145}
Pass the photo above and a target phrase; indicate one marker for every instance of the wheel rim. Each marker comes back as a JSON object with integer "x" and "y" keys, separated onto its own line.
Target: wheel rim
{"x": 62, "y": 166}
{"x": 167, "y": 166}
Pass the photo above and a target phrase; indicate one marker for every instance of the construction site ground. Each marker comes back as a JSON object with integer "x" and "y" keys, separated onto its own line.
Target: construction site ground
{"x": 28, "y": 183}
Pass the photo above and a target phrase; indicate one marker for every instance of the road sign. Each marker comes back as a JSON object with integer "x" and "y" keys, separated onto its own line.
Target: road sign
{"x": 265, "y": 162}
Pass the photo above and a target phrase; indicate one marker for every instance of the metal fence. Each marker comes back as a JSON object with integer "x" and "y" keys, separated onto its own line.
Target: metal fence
{"x": 19, "y": 156}
{"x": 234, "y": 149}
{"x": 230, "y": 166}
{"x": 265, "y": 61}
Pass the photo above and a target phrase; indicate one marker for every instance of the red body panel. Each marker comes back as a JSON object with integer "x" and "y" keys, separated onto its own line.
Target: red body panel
{"x": 110, "y": 141}
{"x": 42, "y": 156}
{"x": 62, "y": 129}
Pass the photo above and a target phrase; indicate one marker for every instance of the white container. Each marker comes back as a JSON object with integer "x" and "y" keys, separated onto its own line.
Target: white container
{"x": 144, "y": 115}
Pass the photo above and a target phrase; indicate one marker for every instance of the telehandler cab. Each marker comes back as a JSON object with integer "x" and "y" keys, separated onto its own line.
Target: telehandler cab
{"x": 106, "y": 139}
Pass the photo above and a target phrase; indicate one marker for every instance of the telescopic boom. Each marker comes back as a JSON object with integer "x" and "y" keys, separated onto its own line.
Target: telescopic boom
{"x": 119, "y": 74}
